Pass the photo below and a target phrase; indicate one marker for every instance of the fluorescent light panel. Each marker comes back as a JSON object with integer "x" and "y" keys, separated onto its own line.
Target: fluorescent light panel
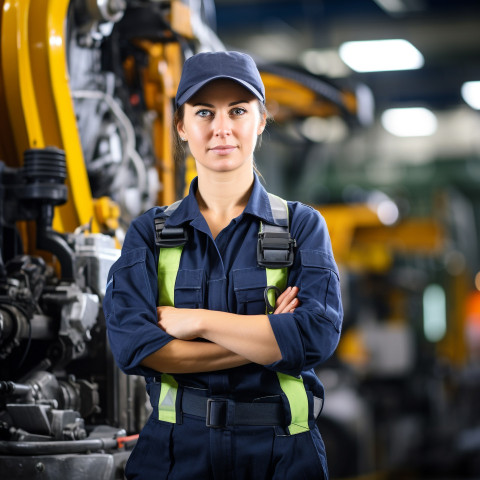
{"x": 324, "y": 62}
{"x": 434, "y": 313}
{"x": 392, "y": 6}
{"x": 471, "y": 94}
{"x": 409, "y": 122}
{"x": 381, "y": 55}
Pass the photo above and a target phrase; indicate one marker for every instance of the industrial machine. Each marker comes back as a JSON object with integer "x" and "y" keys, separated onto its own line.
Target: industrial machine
{"x": 86, "y": 91}
{"x": 86, "y": 94}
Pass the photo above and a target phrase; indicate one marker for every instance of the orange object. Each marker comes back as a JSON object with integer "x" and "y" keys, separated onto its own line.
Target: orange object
{"x": 129, "y": 440}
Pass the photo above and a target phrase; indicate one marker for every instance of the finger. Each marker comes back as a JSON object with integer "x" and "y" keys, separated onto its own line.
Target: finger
{"x": 283, "y": 304}
{"x": 291, "y": 306}
{"x": 288, "y": 307}
{"x": 283, "y": 295}
{"x": 289, "y": 294}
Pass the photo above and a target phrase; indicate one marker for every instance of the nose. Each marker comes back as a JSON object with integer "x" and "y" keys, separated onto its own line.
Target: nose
{"x": 222, "y": 125}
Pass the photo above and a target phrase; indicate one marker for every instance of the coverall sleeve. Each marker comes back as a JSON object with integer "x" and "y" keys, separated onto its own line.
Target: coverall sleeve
{"x": 308, "y": 336}
{"x": 130, "y": 300}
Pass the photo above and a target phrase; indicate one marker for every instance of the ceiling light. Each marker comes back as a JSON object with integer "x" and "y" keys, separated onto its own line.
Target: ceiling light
{"x": 386, "y": 209}
{"x": 396, "y": 7}
{"x": 471, "y": 94}
{"x": 381, "y": 55}
{"x": 324, "y": 62}
{"x": 392, "y": 6}
{"x": 409, "y": 122}
{"x": 434, "y": 313}
{"x": 328, "y": 130}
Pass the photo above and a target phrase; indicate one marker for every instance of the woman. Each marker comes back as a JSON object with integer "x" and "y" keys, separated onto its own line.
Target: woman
{"x": 233, "y": 390}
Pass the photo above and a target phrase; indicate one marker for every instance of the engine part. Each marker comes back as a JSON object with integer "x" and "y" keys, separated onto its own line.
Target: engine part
{"x": 95, "y": 254}
{"x": 25, "y": 462}
{"x": 32, "y": 193}
{"x": 47, "y": 422}
{"x": 78, "y": 315}
{"x": 20, "y": 288}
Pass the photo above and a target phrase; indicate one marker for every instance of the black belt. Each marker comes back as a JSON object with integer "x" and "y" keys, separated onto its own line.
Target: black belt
{"x": 222, "y": 412}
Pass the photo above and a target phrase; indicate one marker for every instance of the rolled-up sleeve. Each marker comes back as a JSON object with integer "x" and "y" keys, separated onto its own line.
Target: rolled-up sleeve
{"x": 130, "y": 301}
{"x": 308, "y": 336}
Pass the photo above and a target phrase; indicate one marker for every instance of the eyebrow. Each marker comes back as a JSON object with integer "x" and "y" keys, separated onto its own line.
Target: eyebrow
{"x": 209, "y": 105}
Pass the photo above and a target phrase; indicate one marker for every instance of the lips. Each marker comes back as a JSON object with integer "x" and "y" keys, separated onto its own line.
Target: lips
{"x": 223, "y": 149}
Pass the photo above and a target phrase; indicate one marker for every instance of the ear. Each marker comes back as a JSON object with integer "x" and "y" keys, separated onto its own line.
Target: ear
{"x": 181, "y": 130}
{"x": 262, "y": 124}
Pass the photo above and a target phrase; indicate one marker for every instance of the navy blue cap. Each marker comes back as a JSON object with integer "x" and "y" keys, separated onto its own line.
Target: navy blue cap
{"x": 202, "y": 68}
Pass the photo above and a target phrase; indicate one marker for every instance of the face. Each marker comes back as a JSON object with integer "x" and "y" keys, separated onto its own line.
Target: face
{"x": 221, "y": 124}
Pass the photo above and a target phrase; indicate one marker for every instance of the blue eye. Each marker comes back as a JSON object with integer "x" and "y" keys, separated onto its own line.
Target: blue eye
{"x": 238, "y": 111}
{"x": 204, "y": 113}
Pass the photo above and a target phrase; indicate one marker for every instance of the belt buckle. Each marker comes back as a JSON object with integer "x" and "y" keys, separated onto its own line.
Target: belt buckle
{"x": 216, "y": 413}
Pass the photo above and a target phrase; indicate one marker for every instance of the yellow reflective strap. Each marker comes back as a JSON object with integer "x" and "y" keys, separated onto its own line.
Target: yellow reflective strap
{"x": 294, "y": 389}
{"x": 167, "y": 400}
{"x": 168, "y": 264}
{"x": 276, "y": 277}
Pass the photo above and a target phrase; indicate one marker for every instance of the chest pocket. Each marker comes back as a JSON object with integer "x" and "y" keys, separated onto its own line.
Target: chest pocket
{"x": 249, "y": 287}
{"x": 189, "y": 289}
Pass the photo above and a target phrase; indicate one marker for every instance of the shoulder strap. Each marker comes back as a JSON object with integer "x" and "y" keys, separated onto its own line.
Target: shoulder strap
{"x": 169, "y": 236}
{"x": 275, "y": 245}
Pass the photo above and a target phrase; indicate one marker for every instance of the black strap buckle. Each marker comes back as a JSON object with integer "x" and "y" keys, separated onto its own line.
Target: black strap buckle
{"x": 216, "y": 412}
{"x": 270, "y": 307}
{"x": 169, "y": 236}
{"x": 275, "y": 250}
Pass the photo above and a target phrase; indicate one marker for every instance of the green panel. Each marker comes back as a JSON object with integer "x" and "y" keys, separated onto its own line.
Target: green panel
{"x": 168, "y": 265}
{"x": 167, "y": 400}
{"x": 294, "y": 389}
{"x": 276, "y": 277}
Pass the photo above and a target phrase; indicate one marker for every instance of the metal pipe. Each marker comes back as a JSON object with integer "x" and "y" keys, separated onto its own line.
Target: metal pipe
{"x": 60, "y": 447}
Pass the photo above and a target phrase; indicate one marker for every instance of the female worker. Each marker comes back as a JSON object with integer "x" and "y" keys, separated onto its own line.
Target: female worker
{"x": 229, "y": 371}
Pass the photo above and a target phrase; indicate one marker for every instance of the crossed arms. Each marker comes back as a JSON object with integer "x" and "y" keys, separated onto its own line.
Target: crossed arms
{"x": 233, "y": 340}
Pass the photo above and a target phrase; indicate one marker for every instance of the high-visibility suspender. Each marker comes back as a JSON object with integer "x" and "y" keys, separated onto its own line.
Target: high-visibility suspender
{"x": 294, "y": 390}
{"x": 168, "y": 264}
{"x": 167, "y": 400}
{"x": 275, "y": 250}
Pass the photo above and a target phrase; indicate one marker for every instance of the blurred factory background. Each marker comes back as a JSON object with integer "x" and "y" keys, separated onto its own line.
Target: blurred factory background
{"x": 386, "y": 147}
{"x": 398, "y": 183}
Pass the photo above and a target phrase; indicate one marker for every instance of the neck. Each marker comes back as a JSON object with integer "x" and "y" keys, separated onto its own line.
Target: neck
{"x": 224, "y": 193}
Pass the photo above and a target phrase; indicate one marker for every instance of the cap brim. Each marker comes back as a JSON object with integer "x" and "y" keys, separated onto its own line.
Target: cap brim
{"x": 185, "y": 97}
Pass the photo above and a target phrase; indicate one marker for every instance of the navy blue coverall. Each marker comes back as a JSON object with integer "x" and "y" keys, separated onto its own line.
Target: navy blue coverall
{"x": 223, "y": 274}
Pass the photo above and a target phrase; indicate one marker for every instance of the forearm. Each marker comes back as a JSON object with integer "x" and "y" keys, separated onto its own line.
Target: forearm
{"x": 183, "y": 356}
{"x": 249, "y": 336}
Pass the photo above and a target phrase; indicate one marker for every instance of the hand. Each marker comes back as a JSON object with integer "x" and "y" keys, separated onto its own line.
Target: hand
{"x": 287, "y": 301}
{"x": 181, "y": 323}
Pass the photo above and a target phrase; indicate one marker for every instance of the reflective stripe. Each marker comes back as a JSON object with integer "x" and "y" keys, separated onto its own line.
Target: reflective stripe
{"x": 168, "y": 265}
{"x": 296, "y": 394}
{"x": 167, "y": 400}
{"x": 277, "y": 276}
{"x": 279, "y": 209}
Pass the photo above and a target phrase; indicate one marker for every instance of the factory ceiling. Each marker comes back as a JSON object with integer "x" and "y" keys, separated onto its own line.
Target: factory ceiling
{"x": 446, "y": 32}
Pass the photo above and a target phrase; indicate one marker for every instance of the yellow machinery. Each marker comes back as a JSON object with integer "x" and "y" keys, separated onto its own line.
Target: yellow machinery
{"x": 86, "y": 90}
